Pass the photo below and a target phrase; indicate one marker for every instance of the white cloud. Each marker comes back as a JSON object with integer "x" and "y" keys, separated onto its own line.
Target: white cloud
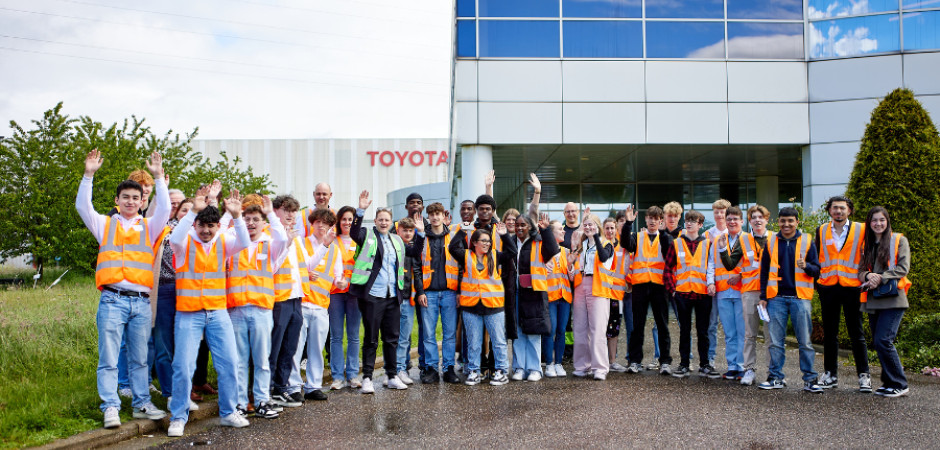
{"x": 778, "y": 46}
{"x": 836, "y": 44}
{"x": 837, "y": 9}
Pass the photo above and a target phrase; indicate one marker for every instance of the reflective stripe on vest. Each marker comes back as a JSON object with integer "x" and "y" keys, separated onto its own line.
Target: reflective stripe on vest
{"x": 477, "y": 286}
{"x": 904, "y": 284}
{"x": 284, "y": 281}
{"x": 537, "y": 269}
{"x": 320, "y": 289}
{"x": 607, "y": 283}
{"x": 366, "y": 258}
{"x": 558, "y": 285}
{"x": 722, "y": 275}
{"x": 802, "y": 281}
{"x": 125, "y": 255}
{"x": 251, "y": 277}
{"x": 349, "y": 260}
{"x": 749, "y": 263}
{"x": 200, "y": 282}
{"x": 691, "y": 268}
{"x": 840, "y": 266}
{"x": 451, "y": 269}
{"x": 648, "y": 263}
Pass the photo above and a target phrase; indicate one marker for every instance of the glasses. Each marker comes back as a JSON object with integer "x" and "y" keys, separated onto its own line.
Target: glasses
{"x": 253, "y": 220}
{"x": 487, "y": 242}
{"x": 732, "y": 219}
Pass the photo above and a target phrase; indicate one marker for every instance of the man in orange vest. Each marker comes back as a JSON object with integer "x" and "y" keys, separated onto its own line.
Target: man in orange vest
{"x": 289, "y": 291}
{"x": 322, "y": 194}
{"x": 124, "y": 274}
{"x": 840, "y": 252}
{"x": 787, "y": 268}
{"x": 200, "y": 251}
{"x": 724, "y": 282}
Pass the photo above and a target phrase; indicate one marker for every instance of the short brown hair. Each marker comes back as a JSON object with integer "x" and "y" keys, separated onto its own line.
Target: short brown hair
{"x": 694, "y": 216}
{"x": 142, "y": 177}
{"x": 511, "y": 212}
{"x": 252, "y": 199}
{"x": 655, "y": 212}
{"x": 721, "y": 204}
{"x": 323, "y": 215}
{"x": 287, "y": 202}
{"x": 673, "y": 208}
{"x": 734, "y": 211}
{"x": 406, "y": 224}
{"x": 435, "y": 207}
{"x": 252, "y": 208}
{"x": 758, "y": 208}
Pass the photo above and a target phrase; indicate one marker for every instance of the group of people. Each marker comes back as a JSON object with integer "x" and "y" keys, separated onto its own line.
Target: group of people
{"x": 264, "y": 284}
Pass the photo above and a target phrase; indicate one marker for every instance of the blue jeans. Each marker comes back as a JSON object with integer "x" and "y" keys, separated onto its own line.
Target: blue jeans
{"x": 252, "y": 326}
{"x": 496, "y": 325}
{"x": 713, "y": 330}
{"x": 800, "y": 313}
{"x": 406, "y": 323}
{"x": 163, "y": 337}
{"x": 553, "y": 345}
{"x": 443, "y": 304}
{"x": 731, "y": 311}
{"x": 123, "y": 381}
{"x": 884, "y": 328}
{"x": 122, "y": 317}
{"x": 220, "y": 335}
{"x": 313, "y": 332}
{"x": 344, "y": 308}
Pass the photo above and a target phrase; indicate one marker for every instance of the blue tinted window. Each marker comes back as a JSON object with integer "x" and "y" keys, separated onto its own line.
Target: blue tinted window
{"x": 601, "y": 8}
{"x": 693, "y": 9}
{"x": 854, "y": 36}
{"x": 765, "y": 9}
{"x": 922, "y": 30}
{"x": 685, "y": 40}
{"x": 518, "y": 8}
{"x": 466, "y": 38}
{"x": 821, "y": 9}
{"x": 918, "y": 4}
{"x": 755, "y": 40}
{"x": 603, "y": 39}
{"x": 519, "y": 38}
{"x": 466, "y": 8}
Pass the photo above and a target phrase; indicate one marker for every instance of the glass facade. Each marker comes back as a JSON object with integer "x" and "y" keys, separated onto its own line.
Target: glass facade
{"x": 695, "y": 29}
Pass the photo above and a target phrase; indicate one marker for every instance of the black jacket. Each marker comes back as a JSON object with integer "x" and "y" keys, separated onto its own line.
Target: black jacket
{"x": 786, "y": 251}
{"x": 534, "y": 317}
{"x": 358, "y": 234}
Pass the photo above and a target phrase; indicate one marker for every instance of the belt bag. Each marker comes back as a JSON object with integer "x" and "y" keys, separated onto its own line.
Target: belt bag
{"x": 889, "y": 289}
{"x": 525, "y": 281}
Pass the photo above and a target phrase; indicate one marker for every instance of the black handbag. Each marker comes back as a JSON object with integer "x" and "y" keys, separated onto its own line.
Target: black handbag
{"x": 889, "y": 289}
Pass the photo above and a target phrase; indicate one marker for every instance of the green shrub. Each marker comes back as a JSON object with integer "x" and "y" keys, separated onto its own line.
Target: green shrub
{"x": 919, "y": 342}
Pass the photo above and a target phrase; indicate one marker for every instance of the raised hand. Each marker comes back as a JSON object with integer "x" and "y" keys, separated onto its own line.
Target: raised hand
{"x": 800, "y": 262}
{"x": 214, "y": 190}
{"x": 543, "y": 220}
{"x": 364, "y": 201}
{"x": 489, "y": 178}
{"x": 233, "y": 204}
{"x": 166, "y": 179}
{"x": 155, "y": 165}
{"x": 587, "y": 211}
{"x": 419, "y": 222}
{"x": 266, "y": 206}
{"x": 329, "y": 237}
{"x": 723, "y": 241}
{"x": 199, "y": 201}
{"x": 93, "y": 162}
{"x": 630, "y": 213}
{"x": 501, "y": 229}
{"x": 534, "y": 180}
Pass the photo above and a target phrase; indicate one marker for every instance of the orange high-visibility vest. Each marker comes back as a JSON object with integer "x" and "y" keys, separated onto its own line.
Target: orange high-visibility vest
{"x": 125, "y": 255}
{"x": 348, "y": 253}
{"x": 691, "y": 268}
{"x": 558, "y": 285}
{"x": 251, "y": 278}
{"x": 722, "y": 275}
{"x": 451, "y": 269}
{"x": 608, "y": 283}
{"x": 648, "y": 263}
{"x": 200, "y": 281}
{"x": 163, "y": 234}
{"x": 477, "y": 286}
{"x": 320, "y": 289}
{"x": 803, "y": 282}
{"x": 537, "y": 268}
{"x": 284, "y": 282}
{"x": 840, "y": 266}
{"x": 749, "y": 263}
{"x": 904, "y": 284}
{"x": 624, "y": 261}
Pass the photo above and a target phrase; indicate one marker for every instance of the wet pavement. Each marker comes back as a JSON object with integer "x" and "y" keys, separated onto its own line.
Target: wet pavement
{"x": 643, "y": 410}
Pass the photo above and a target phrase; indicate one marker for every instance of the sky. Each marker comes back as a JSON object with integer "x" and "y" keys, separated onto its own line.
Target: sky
{"x": 236, "y": 69}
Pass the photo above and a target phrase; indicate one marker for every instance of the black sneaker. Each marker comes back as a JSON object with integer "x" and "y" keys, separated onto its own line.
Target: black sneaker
{"x": 244, "y": 412}
{"x": 681, "y": 372}
{"x": 287, "y": 400}
{"x": 297, "y": 397}
{"x": 450, "y": 376}
{"x": 430, "y": 376}
{"x": 895, "y": 392}
{"x": 264, "y": 411}
{"x": 708, "y": 371}
{"x": 315, "y": 394}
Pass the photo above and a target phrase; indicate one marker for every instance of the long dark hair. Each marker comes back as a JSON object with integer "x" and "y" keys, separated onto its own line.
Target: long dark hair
{"x": 884, "y": 247}
{"x": 490, "y": 260}
{"x": 180, "y": 205}
{"x": 339, "y": 218}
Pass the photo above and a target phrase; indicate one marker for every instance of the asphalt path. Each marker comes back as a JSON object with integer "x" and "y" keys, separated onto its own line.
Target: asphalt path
{"x": 643, "y": 410}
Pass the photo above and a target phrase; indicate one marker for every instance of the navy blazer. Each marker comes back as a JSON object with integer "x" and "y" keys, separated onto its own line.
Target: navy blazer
{"x": 358, "y": 234}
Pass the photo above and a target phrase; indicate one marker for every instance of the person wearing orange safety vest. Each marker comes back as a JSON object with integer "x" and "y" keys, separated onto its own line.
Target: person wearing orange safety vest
{"x": 322, "y": 194}
{"x": 250, "y": 300}
{"x": 649, "y": 248}
{"x": 201, "y": 250}
{"x": 560, "y": 277}
{"x": 345, "y": 318}
{"x": 324, "y": 272}
{"x": 787, "y": 267}
{"x": 600, "y": 282}
{"x": 840, "y": 252}
{"x": 124, "y": 275}
{"x": 724, "y": 282}
{"x": 886, "y": 259}
{"x": 686, "y": 278}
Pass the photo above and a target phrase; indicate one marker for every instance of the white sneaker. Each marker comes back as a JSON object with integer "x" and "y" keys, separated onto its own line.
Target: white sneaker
{"x": 154, "y": 389}
{"x": 582, "y": 373}
{"x": 176, "y": 428}
{"x": 518, "y": 375}
{"x": 337, "y": 385}
{"x": 397, "y": 383}
{"x": 234, "y": 420}
{"x": 355, "y": 383}
{"x": 192, "y": 405}
{"x": 149, "y": 411}
{"x": 367, "y": 387}
{"x": 600, "y": 376}
{"x": 111, "y": 417}
{"x": 534, "y": 376}
{"x": 748, "y": 378}
{"x": 403, "y": 376}
{"x": 617, "y": 367}
{"x": 560, "y": 371}
{"x": 126, "y": 393}
{"x": 550, "y": 371}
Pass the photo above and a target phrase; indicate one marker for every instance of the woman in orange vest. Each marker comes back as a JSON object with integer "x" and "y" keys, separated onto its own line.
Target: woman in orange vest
{"x": 590, "y": 309}
{"x": 482, "y": 297}
{"x": 344, "y": 308}
{"x": 560, "y": 274}
{"x": 886, "y": 260}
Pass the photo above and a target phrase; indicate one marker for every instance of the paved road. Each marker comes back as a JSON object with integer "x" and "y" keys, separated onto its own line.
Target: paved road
{"x": 643, "y": 410}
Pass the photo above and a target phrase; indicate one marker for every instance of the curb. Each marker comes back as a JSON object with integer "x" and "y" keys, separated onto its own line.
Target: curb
{"x": 102, "y": 437}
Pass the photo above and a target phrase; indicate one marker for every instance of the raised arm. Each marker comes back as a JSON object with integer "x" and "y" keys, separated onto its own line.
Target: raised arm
{"x": 93, "y": 221}
{"x": 356, "y": 232}
{"x": 457, "y": 247}
{"x": 233, "y": 204}
{"x": 159, "y": 212}
{"x": 627, "y": 237}
{"x": 534, "y": 205}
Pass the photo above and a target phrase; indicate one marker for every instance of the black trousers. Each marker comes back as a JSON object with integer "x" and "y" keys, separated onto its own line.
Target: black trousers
{"x": 380, "y": 314}
{"x": 201, "y": 375}
{"x": 834, "y": 300}
{"x": 288, "y": 320}
{"x": 685, "y": 307}
{"x": 648, "y": 295}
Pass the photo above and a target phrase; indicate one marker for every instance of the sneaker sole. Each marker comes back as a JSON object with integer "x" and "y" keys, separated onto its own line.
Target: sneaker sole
{"x": 681, "y": 375}
{"x": 174, "y": 434}
{"x": 148, "y": 416}
{"x": 770, "y": 388}
{"x": 110, "y": 425}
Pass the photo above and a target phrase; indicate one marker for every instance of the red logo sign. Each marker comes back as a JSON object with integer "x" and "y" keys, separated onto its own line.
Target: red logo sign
{"x": 415, "y": 158}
